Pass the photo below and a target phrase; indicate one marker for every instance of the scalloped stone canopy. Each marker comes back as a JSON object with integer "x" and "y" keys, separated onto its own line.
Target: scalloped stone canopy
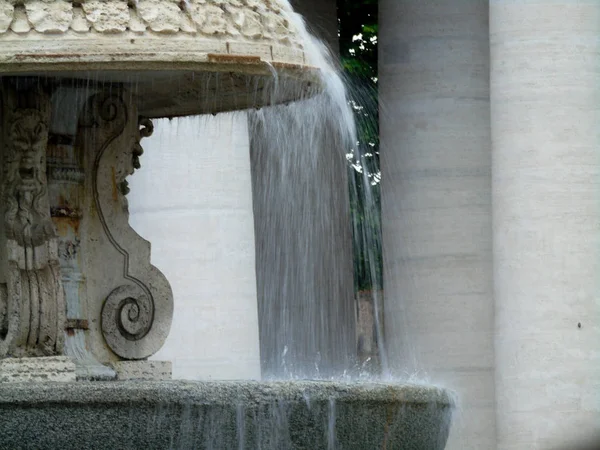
{"x": 178, "y": 57}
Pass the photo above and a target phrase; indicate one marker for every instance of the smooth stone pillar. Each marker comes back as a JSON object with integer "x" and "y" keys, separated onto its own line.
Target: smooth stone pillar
{"x": 545, "y": 85}
{"x": 436, "y": 205}
{"x": 193, "y": 201}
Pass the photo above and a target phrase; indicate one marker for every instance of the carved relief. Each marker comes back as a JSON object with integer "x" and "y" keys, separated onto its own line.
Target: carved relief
{"x": 138, "y": 304}
{"x": 6, "y": 15}
{"x": 131, "y": 161}
{"x": 252, "y": 19}
{"x": 49, "y": 17}
{"x": 161, "y": 16}
{"x": 107, "y": 16}
{"x": 34, "y": 308}
{"x": 20, "y": 24}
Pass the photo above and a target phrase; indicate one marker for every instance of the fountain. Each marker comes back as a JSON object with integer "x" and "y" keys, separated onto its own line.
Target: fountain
{"x": 81, "y": 306}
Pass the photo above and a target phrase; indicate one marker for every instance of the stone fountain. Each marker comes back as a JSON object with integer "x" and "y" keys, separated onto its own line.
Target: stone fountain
{"x": 81, "y": 307}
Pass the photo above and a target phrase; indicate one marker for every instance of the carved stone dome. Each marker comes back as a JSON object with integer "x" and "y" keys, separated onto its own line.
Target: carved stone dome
{"x": 178, "y": 57}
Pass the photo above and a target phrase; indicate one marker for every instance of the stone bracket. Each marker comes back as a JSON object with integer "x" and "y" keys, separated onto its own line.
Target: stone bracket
{"x": 138, "y": 302}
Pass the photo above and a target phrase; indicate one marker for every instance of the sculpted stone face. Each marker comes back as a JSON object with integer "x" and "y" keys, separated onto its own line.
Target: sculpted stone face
{"x": 25, "y": 188}
{"x": 28, "y": 137}
{"x": 32, "y": 311}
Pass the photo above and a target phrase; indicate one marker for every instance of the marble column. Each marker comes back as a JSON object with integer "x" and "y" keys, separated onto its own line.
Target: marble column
{"x": 193, "y": 201}
{"x": 545, "y": 94}
{"x": 436, "y": 204}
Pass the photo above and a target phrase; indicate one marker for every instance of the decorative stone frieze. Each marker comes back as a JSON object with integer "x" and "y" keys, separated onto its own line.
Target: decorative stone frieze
{"x": 249, "y": 19}
{"x": 233, "y": 47}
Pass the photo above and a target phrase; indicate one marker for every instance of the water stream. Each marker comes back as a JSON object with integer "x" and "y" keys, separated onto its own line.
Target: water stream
{"x": 302, "y": 157}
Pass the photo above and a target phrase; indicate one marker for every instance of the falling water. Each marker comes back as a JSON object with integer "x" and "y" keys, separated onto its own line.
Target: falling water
{"x": 304, "y": 232}
{"x": 303, "y": 228}
{"x": 303, "y": 158}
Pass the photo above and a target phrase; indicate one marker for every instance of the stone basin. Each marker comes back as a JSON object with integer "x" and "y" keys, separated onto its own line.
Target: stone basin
{"x": 178, "y": 58}
{"x": 220, "y": 415}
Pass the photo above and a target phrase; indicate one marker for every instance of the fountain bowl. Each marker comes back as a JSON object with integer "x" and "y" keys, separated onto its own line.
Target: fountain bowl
{"x": 304, "y": 415}
{"x": 177, "y": 58}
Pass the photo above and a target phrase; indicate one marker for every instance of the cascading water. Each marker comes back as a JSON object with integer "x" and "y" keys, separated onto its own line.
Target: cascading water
{"x": 299, "y": 154}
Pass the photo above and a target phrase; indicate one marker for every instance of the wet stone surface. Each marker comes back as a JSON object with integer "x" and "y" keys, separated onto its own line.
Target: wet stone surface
{"x": 223, "y": 415}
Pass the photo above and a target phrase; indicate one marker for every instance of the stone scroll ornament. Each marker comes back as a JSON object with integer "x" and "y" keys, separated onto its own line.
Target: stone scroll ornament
{"x": 32, "y": 305}
{"x": 136, "y": 315}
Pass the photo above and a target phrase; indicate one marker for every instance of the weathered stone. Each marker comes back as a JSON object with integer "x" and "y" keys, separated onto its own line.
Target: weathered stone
{"x": 161, "y": 16}
{"x": 32, "y": 297}
{"x": 6, "y": 15}
{"x": 80, "y": 23}
{"x": 143, "y": 370}
{"x": 161, "y": 44}
{"x": 48, "y": 369}
{"x": 71, "y": 264}
{"x": 132, "y": 298}
{"x": 49, "y": 17}
{"x": 20, "y": 23}
{"x": 220, "y": 415}
{"x": 109, "y": 16}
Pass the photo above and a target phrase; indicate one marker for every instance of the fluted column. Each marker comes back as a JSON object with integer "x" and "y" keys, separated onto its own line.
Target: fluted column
{"x": 545, "y": 92}
{"x": 436, "y": 182}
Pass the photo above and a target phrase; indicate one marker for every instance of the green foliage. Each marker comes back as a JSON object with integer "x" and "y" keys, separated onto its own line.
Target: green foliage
{"x": 358, "y": 34}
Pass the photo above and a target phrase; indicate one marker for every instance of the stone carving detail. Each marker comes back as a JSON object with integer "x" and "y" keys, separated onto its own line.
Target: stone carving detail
{"x": 255, "y": 20}
{"x": 33, "y": 308}
{"x": 136, "y": 315}
{"x": 146, "y": 128}
{"x": 107, "y": 16}
{"x": 7, "y": 12}
{"x": 49, "y": 17}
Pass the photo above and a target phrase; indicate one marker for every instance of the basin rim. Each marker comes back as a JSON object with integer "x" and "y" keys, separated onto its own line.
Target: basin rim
{"x": 219, "y": 392}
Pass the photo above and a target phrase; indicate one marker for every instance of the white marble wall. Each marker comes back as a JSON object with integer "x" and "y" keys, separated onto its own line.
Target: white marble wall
{"x": 192, "y": 199}
{"x": 545, "y": 85}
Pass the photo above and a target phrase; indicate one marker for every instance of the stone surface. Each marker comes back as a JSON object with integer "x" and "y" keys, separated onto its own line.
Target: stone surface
{"x": 32, "y": 303}
{"x": 267, "y": 21}
{"x": 545, "y": 87}
{"x": 32, "y": 370}
{"x": 72, "y": 267}
{"x": 201, "y": 227}
{"x": 219, "y": 415}
{"x": 129, "y": 301}
{"x": 437, "y": 203}
{"x": 201, "y": 47}
{"x": 143, "y": 370}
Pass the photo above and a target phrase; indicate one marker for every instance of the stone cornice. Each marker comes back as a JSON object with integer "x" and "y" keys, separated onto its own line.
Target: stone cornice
{"x": 252, "y": 20}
